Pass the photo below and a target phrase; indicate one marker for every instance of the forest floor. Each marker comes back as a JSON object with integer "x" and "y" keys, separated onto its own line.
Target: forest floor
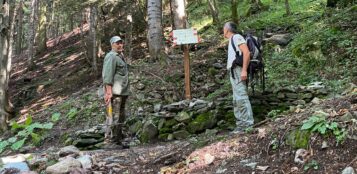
{"x": 63, "y": 75}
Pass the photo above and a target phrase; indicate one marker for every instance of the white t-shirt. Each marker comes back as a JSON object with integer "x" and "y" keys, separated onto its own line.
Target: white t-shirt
{"x": 238, "y": 39}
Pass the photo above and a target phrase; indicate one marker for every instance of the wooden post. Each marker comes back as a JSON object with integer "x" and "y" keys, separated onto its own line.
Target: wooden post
{"x": 187, "y": 72}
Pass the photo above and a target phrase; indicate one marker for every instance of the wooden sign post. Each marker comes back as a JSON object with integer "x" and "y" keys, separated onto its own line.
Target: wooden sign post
{"x": 185, "y": 37}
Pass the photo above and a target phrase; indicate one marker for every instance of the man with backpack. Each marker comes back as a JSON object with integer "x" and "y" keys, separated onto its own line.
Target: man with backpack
{"x": 237, "y": 66}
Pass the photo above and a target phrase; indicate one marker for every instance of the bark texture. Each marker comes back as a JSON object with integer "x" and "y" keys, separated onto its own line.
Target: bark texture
{"x": 214, "y": 11}
{"x": 155, "y": 33}
{"x": 5, "y": 107}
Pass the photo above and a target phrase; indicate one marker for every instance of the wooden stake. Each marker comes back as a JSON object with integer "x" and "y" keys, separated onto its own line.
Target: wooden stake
{"x": 187, "y": 72}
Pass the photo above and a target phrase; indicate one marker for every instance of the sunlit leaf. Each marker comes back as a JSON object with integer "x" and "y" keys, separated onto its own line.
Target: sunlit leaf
{"x": 47, "y": 126}
{"x": 28, "y": 120}
{"x": 18, "y": 145}
{"x": 55, "y": 117}
{"x": 12, "y": 140}
{"x": 36, "y": 139}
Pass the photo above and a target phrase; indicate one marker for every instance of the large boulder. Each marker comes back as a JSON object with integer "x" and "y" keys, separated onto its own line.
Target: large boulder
{"x": 86, "y": 161}
{"x": 69, "y": 150}
{"x": 64, "y": 166}
{"x": 279, "y": 39}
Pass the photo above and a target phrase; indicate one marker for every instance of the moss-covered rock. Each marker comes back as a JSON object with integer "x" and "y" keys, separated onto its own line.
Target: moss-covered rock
{"x": 183, "y": 117}
{"x": 165, "y": 130}
{"x": 148, "y": 132}
{"x": 181, "y": 134}
{"x": 133, "y": 129}
{"x": 298, "y": 138}
{"x": 202, "y": 122}
{"x": 180, "y": 126}
{"x": 170, "y": 123}
{"x": 230, "y": 118}
{"x": 163, "y": 136}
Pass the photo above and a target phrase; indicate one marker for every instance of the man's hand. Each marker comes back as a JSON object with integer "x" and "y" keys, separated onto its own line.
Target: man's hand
{"x": 243, "y": 75}
{"x": 108, "y": 96}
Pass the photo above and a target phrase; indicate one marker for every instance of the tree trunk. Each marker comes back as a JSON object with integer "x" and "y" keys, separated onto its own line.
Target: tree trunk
{"x": 41, "y": 37}
{"x": 71, "y": 22}
{"x": 31, "y": 34}
{"x": 155, "y": 33}
{"x": 52, "y": 20}
{"x": 129, "y": 31}
{"x": 179, "y": 14}
{"x": 4, "y": 65}
{"x": 93, "y": 39}
{"x": 214, "y": 11}
{"x": 12, "y": 16}
{"x": 287, "y": 7}
{"x": 235, "y": 18}
{"x": 19, "y": 21}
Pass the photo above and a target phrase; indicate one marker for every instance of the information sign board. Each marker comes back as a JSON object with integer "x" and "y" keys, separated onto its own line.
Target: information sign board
{"x": 185, "y": 36}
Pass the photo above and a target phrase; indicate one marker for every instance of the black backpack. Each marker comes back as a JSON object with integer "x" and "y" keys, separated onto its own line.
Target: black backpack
{"x": 256, "y": 60}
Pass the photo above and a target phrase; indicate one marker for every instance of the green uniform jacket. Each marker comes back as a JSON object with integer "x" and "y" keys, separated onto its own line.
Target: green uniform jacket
{"x": 115, "y": 73}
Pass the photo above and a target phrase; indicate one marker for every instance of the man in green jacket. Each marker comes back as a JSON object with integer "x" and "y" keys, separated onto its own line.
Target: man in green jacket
{"x": 116, "y": 85}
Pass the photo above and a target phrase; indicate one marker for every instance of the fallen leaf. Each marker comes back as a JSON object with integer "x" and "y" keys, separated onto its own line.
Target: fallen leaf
{"x": 262, "y": 168}
{"x": 262, "y": 133}
{"x": 208, "y": 159}
{"x": 342, "y": 111}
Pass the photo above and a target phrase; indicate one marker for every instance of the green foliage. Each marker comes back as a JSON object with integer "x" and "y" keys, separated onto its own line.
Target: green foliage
{"x": 313, "y": 164}
{"x": 249, "y": 130}
{"x": 318, "y": 123}
{"x": 274, "y": 143}
{"x": 225, "y": 89}
{"x": 17, "y": 145}
{"x": 212, "y": 72}
{"x": 24, "y": 131}
{"x": 55, "y": 117}
{"x": 298, "y": 138}
{"x": 274, "y": 113}
{"x": 72, "y": 113}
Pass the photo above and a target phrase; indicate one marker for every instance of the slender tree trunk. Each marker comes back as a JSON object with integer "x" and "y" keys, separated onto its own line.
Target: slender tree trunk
{"x": 129, "y": 31}
{"x": 12, "y": 17}
{"x": 287, "y": 7}
{"x": 235, "y": 18}
{"x": 84, "y": 39}
{"x": 41, "y": 37}
{"x": 52, "y": 20}
{"x": 93, "y": 40}
{"x": 100, "y": 33}
{"x": 214, "y": 11}
{"x": 155, "y": 33}
{"x": 19, "y": 21}
{"x": 4, "y": 64}
{"x": 31, "y": 34}
{"x": 71, "y": 22}
{"x": 179, "y": 14}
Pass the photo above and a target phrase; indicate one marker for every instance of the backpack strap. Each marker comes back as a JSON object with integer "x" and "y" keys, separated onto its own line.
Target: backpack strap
{"x": 235, "y": 50}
